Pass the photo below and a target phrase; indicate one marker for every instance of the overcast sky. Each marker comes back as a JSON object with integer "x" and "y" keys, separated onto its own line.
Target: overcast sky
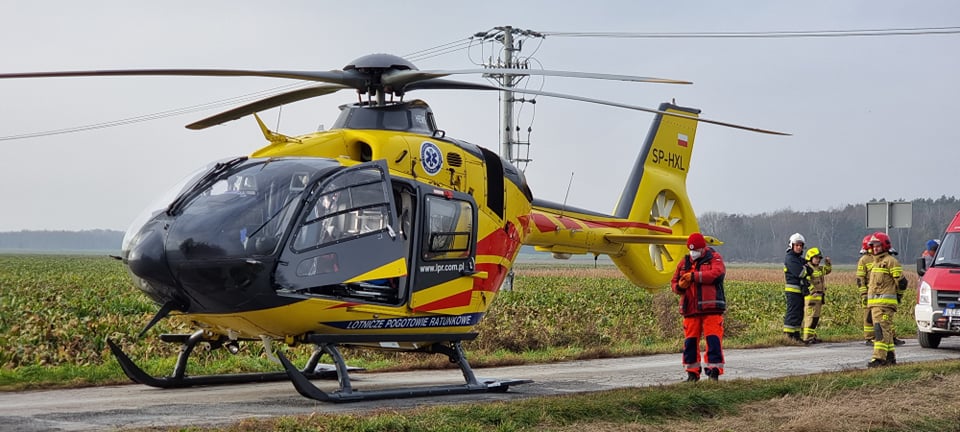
{"x": 872, "y": 117}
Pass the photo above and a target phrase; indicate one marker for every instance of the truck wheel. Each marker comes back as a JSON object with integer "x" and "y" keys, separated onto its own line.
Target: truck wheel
{"x": 929, "y": 340}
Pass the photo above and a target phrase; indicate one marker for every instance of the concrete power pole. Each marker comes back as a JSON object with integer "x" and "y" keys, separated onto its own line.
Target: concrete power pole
{"x": 506, "y": 98}
{"x": 509, "y": 136}
{"x": 512, "y": 41}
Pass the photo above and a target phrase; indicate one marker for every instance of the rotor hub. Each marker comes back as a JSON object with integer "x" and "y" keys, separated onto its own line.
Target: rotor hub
{"x": 373, "y": 63}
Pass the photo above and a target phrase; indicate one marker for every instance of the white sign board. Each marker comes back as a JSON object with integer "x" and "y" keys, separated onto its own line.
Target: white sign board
{"x": 889, "y": 215}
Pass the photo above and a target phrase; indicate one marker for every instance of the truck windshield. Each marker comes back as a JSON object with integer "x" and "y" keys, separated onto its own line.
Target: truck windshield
{"x": 948, "y": 255}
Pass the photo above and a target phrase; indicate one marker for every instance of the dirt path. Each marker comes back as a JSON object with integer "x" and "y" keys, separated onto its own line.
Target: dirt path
{"x": 112, "y": 407}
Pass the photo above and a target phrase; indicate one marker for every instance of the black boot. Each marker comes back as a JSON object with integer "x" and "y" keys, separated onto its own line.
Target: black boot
{"x": 713, "y": 373}
{"x": 891, "y": 358}
{"x": 692, "y": 376}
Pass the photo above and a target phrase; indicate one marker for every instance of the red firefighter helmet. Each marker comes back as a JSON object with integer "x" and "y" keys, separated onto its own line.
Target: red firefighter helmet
{"x": 866, "y": 242}
{"x": 882, "y": 239}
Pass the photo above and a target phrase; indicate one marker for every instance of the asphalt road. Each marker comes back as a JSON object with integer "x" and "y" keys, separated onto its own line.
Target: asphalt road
{"x": 118, "y": 407}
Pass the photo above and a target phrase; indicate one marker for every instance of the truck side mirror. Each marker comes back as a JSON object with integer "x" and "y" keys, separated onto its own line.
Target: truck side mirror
{"x": 921, "y": 266}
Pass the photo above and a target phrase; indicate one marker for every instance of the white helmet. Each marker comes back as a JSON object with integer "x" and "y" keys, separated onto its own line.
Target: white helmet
{"x": 796, "y": 238}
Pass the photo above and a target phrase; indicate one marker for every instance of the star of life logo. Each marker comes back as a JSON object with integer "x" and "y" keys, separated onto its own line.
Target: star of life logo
{"x": 430, "y": 158}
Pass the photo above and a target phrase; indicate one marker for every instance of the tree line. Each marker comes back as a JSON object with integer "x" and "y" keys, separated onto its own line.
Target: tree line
{"x": 760, "y": 238}
{"x": 838, "y": 233}
{"x": 62, "y": 241}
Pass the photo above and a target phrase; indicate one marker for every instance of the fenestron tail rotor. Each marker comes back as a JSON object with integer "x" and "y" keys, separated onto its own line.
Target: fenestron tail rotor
{"x": 661, "y": 214}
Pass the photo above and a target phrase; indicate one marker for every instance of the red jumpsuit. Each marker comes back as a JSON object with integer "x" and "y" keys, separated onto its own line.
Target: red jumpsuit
{"x": 702, "y": 305}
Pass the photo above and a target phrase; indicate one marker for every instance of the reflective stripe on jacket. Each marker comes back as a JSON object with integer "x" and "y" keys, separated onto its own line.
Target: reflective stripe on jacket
{"x": 884, "y": 278}
{"x": 794, "y": 272}
{"x": 864, "y": 265}
{"x": 817, "y": 281}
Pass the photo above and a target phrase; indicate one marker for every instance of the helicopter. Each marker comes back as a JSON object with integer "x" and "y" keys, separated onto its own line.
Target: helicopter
{"x": 381, "y": 232}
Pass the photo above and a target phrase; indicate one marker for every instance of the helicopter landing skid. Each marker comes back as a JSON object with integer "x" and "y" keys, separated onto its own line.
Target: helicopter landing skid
{"x": 346, "y": 393}
{"x": 180, "y": 379}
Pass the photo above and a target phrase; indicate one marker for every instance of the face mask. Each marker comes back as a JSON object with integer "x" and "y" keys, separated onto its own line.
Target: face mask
{"x": 695, "y": 254}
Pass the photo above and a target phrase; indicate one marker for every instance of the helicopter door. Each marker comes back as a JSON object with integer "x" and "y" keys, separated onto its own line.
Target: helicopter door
{"x": 345, "y": 242}
{"x": 447, "y": 250}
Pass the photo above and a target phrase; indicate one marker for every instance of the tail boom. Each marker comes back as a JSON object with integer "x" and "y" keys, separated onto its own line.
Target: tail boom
{"x": 647, "y": 232}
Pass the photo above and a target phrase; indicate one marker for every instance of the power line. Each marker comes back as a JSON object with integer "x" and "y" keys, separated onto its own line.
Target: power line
{"x": 449, "y": 48}
{"x": 919, "y": 31}
{"x": 431, "y": 50}
{"x": 467, "y": 43}
{"x": 157, "y": 115}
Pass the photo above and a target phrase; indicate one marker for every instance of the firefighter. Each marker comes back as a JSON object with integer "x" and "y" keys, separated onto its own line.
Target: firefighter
{"x": 885, "y": 287}
{"x": 698, "y": 281}
{"x": 864, "y": 265}
{"x": 815, "y": 299}
{"x": 796, "y": 286}
{"x": 929, "y": 252}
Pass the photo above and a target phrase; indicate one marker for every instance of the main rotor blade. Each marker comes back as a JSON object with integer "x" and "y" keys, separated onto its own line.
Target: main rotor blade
{"x": 409, "y": 76}
{"x": 649, "y": 110}
{"x": 471, "y": 86}
{"x": 444, "y": 84}
{"x": 264, "y": 104}
{"x": 347, "y": 78}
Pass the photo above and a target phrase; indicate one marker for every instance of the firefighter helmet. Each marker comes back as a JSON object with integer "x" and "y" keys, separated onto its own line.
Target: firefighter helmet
{"x": 813, "y": 253}
{"x": 796, "y": 238}
{"x": 882, "y": 239}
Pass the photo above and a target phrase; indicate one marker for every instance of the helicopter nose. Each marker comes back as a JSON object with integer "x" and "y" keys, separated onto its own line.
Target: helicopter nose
{"x": 146, "y": 260}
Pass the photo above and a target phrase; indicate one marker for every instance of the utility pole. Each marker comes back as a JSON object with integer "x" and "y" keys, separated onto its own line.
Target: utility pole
{"x": 511, "y": 40}
{"x": 509, "y": 133}
{"x": 506, "y": 98}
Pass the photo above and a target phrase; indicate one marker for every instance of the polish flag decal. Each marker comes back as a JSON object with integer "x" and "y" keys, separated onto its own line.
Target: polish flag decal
{"x": 681, "y": 140}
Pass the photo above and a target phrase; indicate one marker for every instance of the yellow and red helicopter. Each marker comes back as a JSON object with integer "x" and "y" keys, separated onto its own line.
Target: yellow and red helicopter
{"x": 381, "y": 232}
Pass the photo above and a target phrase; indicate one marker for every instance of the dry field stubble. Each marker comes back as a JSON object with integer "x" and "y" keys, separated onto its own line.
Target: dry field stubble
{"x": 890, "y": 409}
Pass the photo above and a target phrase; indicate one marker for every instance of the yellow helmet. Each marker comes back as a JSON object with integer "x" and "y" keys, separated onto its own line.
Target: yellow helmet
{"x": 813, "y": 252}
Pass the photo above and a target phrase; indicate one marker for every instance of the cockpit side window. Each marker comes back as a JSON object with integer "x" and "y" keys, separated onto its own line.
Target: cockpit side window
{"x": 345, "y": 207}
{"x": 449, "y": 229}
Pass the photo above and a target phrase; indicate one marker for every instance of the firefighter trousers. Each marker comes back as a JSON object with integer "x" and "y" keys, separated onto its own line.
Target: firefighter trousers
{"x": 867, "y": 324}
{"x": 711, "y": 327}
{"x": 793, "y": 319}
{"x": 883, "y": 332}
{"x": 811, "y": 315}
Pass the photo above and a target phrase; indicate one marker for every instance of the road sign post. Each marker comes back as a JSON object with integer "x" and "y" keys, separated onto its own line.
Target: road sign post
{"x": 886, "y": 215}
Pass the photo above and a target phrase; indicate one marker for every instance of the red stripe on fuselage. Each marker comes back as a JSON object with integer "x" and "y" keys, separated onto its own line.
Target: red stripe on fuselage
{"x": 495, "y": 275}
{"x": 456, "y": 300}
{"x": 568, "y": 223}
{"x": 543, "y": 223}
{"x": 616, "y": 224}
{"x": 502, "y": 243}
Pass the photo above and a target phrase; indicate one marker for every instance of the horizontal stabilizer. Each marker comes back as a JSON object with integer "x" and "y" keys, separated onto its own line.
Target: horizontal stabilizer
{"x": 656, "y": 239}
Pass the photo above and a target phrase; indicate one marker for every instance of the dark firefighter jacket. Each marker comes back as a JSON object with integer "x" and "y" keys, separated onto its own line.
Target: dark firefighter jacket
{"x": 795, "y": 273}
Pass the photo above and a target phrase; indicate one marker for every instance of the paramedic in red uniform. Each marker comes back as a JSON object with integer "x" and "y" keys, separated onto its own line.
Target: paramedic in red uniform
{"x": 699, "y": 282}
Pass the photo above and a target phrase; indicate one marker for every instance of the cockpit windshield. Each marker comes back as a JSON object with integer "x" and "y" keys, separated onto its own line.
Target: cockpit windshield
{"x": 243, "y": 210}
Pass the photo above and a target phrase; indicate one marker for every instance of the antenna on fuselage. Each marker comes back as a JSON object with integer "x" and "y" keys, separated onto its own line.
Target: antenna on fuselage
{"x": 566, "y": 195}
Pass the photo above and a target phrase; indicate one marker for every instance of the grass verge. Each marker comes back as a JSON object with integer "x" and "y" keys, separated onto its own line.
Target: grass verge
{"x": 890, "y": 399}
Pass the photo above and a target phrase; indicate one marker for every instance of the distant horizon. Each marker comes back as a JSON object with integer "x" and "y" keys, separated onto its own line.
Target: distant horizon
{"x": 699, "y": 214}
